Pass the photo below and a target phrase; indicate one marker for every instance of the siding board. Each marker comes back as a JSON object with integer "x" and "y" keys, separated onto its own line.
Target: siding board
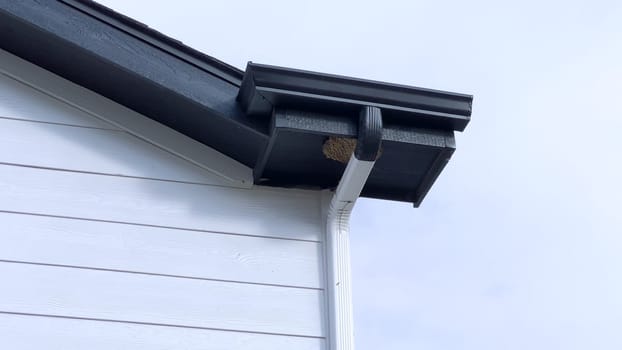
{"x": 273, "y": 213}
{"x": 18, "y": 332}
{"x": 94, "y": 150}
{"x": 161, "y": 300}
{"x": 155, "y": 250}
{"x": 38, "y": 87}
{"x": 20, "y": 101}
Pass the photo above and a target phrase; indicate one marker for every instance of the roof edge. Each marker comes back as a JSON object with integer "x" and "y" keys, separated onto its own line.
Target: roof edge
{"x": 159, "y": 40}
{"x": 408, "y": 104}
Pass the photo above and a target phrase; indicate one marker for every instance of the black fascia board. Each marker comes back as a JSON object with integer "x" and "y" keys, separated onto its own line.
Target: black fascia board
{"x": 264, "y": 87}
{"x": 166, "y": 43}
{"x": 136, "y": 69}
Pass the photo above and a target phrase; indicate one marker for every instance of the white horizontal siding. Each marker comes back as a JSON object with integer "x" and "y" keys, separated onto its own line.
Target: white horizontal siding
{"x": 19, "y": 332}
{"x": 117, "y": 232}
{"x": 43, "y": 96}
{"x": 20, "y": 101}
{"x": 155, "y": 250}
{"x": 272, "y": 213}
{"x": 163, "y": 300}
{"x": 94, "y": 150}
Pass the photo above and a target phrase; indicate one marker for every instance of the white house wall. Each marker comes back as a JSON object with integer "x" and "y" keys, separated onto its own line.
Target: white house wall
{"x": 16, "y": 97}
{"x": 108, "y": 240}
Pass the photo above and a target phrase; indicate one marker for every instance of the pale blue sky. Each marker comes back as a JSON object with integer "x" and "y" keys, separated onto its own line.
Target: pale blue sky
{"x": 519, "y": 243}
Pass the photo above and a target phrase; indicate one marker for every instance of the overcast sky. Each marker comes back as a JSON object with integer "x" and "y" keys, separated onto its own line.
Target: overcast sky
{"x": 519, "y": 243}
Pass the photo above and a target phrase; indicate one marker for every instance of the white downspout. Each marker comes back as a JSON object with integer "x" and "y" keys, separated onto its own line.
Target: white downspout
{"x": 339, "y": 288}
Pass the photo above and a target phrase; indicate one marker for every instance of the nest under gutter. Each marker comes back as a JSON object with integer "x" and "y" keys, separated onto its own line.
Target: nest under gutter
{"x": 339, "y": 148}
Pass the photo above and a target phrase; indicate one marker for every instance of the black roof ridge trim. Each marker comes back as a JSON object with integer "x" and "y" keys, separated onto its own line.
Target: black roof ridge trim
{"x": 159, "y": 40}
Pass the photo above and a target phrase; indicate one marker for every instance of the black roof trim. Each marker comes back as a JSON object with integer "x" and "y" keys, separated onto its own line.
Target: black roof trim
{"x": 163, "y": 42}
{"x": 274, "y": 120}
{"x": 410, "y": 158}
{"x": 264, "y": 87}
{"x": 140, "y": 72}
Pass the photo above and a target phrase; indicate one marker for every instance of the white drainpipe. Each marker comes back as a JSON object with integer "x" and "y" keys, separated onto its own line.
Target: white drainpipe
{"x": 339, "y": 286}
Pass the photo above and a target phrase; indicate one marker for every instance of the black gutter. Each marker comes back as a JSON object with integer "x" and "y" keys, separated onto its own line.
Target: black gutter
{"x": 264, "y": 87}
